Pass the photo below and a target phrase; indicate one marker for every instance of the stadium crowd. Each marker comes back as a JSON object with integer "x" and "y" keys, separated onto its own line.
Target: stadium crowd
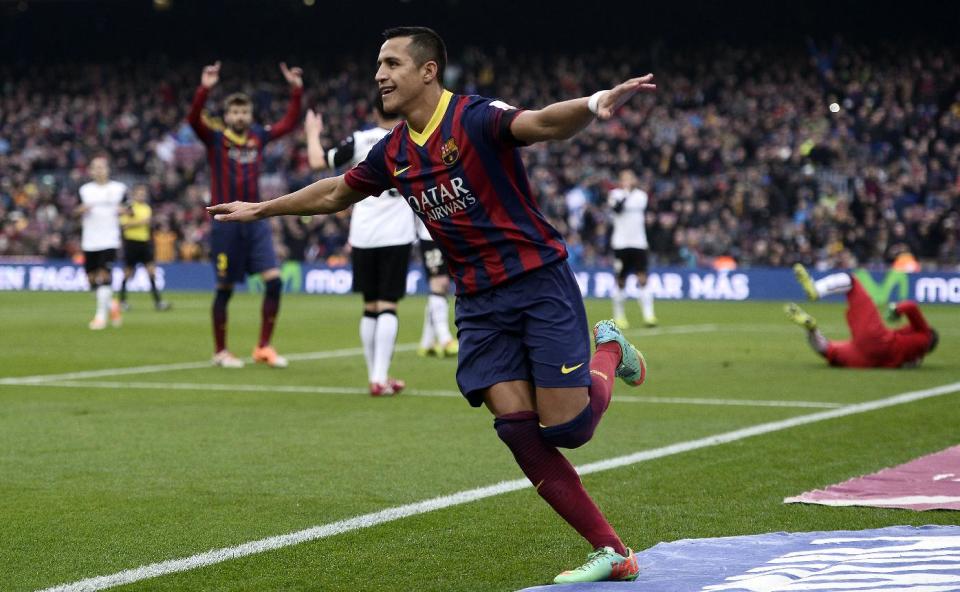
{"x": 833, "y": 155}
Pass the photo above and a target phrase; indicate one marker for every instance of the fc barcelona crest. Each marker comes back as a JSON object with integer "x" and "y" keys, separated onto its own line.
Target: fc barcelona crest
{"x": 449, "y": 152}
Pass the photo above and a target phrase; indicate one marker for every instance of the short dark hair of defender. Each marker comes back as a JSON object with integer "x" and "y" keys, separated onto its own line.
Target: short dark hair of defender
{"x": 425, "y": 45}
{"x": 378, "y": 105}
{"x": 238, "y": 99}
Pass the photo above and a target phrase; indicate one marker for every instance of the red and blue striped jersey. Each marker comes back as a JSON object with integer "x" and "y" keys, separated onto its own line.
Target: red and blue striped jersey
{"x": 464, "y": 178}
{"x": 235, "y": 160}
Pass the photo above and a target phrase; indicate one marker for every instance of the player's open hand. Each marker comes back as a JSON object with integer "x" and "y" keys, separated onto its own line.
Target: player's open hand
{"x": 293, "y": 75}
{"x": 236, "y": 211}
{"x": 614, "y": 98}
{"x": 313, "y": 124}
{"x": 211, "y": 75}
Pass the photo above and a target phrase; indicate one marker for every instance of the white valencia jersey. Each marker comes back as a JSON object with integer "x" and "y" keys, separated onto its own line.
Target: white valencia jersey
{"x": 382, "y": 221}
{"x": 101, "y": 222}
{"x": 628, "y": 213}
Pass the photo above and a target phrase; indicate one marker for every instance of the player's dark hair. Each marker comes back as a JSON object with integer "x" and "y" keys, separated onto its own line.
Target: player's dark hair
{"x": 934, "y": 340}
{"x": 378, "y": 105}
{"x": 238, "y": 99}
{"x": 425, "y": 45}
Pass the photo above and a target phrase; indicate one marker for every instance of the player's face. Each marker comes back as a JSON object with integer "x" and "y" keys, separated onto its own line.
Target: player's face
{"x": 238, "y": 117}
{"x": 139, "y": 194}
{"x": 628, "y": 180}
{"x": 399, "y": 79}
{"x": 99, "y": 170}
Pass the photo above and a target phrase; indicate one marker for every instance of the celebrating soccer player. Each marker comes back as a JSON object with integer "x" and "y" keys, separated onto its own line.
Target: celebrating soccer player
{"x": 235, "y": 154}
{"x": 524, "y": 351}
{"x": 871, "y": 344}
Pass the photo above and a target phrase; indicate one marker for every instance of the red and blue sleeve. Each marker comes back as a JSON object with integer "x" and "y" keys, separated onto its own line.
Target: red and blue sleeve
{"x": 290, "y": 119}
{"x": 195, "y": 116}
{"x": 493, "y": 119}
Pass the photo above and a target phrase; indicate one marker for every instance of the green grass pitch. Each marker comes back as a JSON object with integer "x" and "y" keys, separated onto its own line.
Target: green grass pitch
{"x": 103, "y": 472}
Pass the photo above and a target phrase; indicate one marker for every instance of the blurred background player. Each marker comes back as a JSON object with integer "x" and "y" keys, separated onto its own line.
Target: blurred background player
{"x": 871, "y": 344}
{"x": 381, "y": 236}
{"x": 435, "y": 338}
{"x": 101, "y": 203}
{"x": 235, "y": 155}
{"x": 137, "y": 246}
{"x": 628, "y": 204}
{"x": 524, "y": 351}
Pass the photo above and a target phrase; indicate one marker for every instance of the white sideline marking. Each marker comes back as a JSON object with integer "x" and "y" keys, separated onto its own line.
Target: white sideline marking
{"x": 344, "y": 390}
{"x": 319, "y": 355}
{"x": 391, "y": 514}
{"x": 733, "y": 402}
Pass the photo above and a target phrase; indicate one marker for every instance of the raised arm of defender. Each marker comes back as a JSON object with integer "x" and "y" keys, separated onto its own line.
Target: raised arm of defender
{"x": 561, "y": 121}
{"x": 326, "y": 196}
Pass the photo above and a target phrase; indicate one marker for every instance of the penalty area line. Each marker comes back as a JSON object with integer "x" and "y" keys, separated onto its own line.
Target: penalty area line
{"x": 215, "y": 556}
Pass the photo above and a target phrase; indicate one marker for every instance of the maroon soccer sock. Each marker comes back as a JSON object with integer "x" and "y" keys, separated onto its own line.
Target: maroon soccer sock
{"x": 220, "y": 319}
{"x": 555, "y": 478}
{"x": 268, "y": 313}
{"x": 603, "y": 371}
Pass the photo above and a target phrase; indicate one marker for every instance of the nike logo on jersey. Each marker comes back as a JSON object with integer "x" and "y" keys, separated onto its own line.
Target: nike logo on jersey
{"x": 398, "y": 172}
{"x": 565, "y": 370}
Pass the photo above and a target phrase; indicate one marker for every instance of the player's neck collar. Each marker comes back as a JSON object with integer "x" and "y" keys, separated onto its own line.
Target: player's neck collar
{"x": 420, "y": 138}
{"x": 235, "y": 137}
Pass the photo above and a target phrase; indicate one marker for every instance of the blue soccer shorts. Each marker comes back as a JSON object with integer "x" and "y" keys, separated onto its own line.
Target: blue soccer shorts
{"x": 238, "y": 250}
{"x": 532, "y": 328}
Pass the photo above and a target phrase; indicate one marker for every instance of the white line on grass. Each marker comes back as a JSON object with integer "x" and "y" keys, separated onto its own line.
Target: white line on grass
{"x": 391, "y": 514}
{"x": 319, "y": 355}
{"x": 343, "y": 390}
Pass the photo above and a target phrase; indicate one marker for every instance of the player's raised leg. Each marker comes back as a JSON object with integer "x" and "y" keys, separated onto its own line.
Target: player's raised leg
{"x": 797, "y": 315}
{"x": 867, "y": 329}
{"x": 835, "y": 283}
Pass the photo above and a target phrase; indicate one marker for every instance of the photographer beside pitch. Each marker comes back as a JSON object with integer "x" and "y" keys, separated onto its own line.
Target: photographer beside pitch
{"x": 522, "y": 326}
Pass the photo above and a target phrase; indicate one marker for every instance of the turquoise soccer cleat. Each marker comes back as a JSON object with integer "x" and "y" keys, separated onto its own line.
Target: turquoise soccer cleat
{"x": 602, "y": 565}
{"x": 632, "y": 368}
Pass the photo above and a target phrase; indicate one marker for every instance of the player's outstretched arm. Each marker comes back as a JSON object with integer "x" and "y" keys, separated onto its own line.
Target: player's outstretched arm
{"x": 294, "y": 77}
{"x": 326, "y": 196}
{"x": 561, "y": 121}
{"x": 208, "y": 79}
{"x": 909, "y": 309}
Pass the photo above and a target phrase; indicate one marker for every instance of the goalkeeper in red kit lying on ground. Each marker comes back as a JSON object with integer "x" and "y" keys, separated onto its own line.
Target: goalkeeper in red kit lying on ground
{"x": 871, "y": 344}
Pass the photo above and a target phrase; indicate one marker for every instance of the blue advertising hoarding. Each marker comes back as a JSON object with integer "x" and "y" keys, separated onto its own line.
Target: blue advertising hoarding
{"x": 666, "y": 283}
